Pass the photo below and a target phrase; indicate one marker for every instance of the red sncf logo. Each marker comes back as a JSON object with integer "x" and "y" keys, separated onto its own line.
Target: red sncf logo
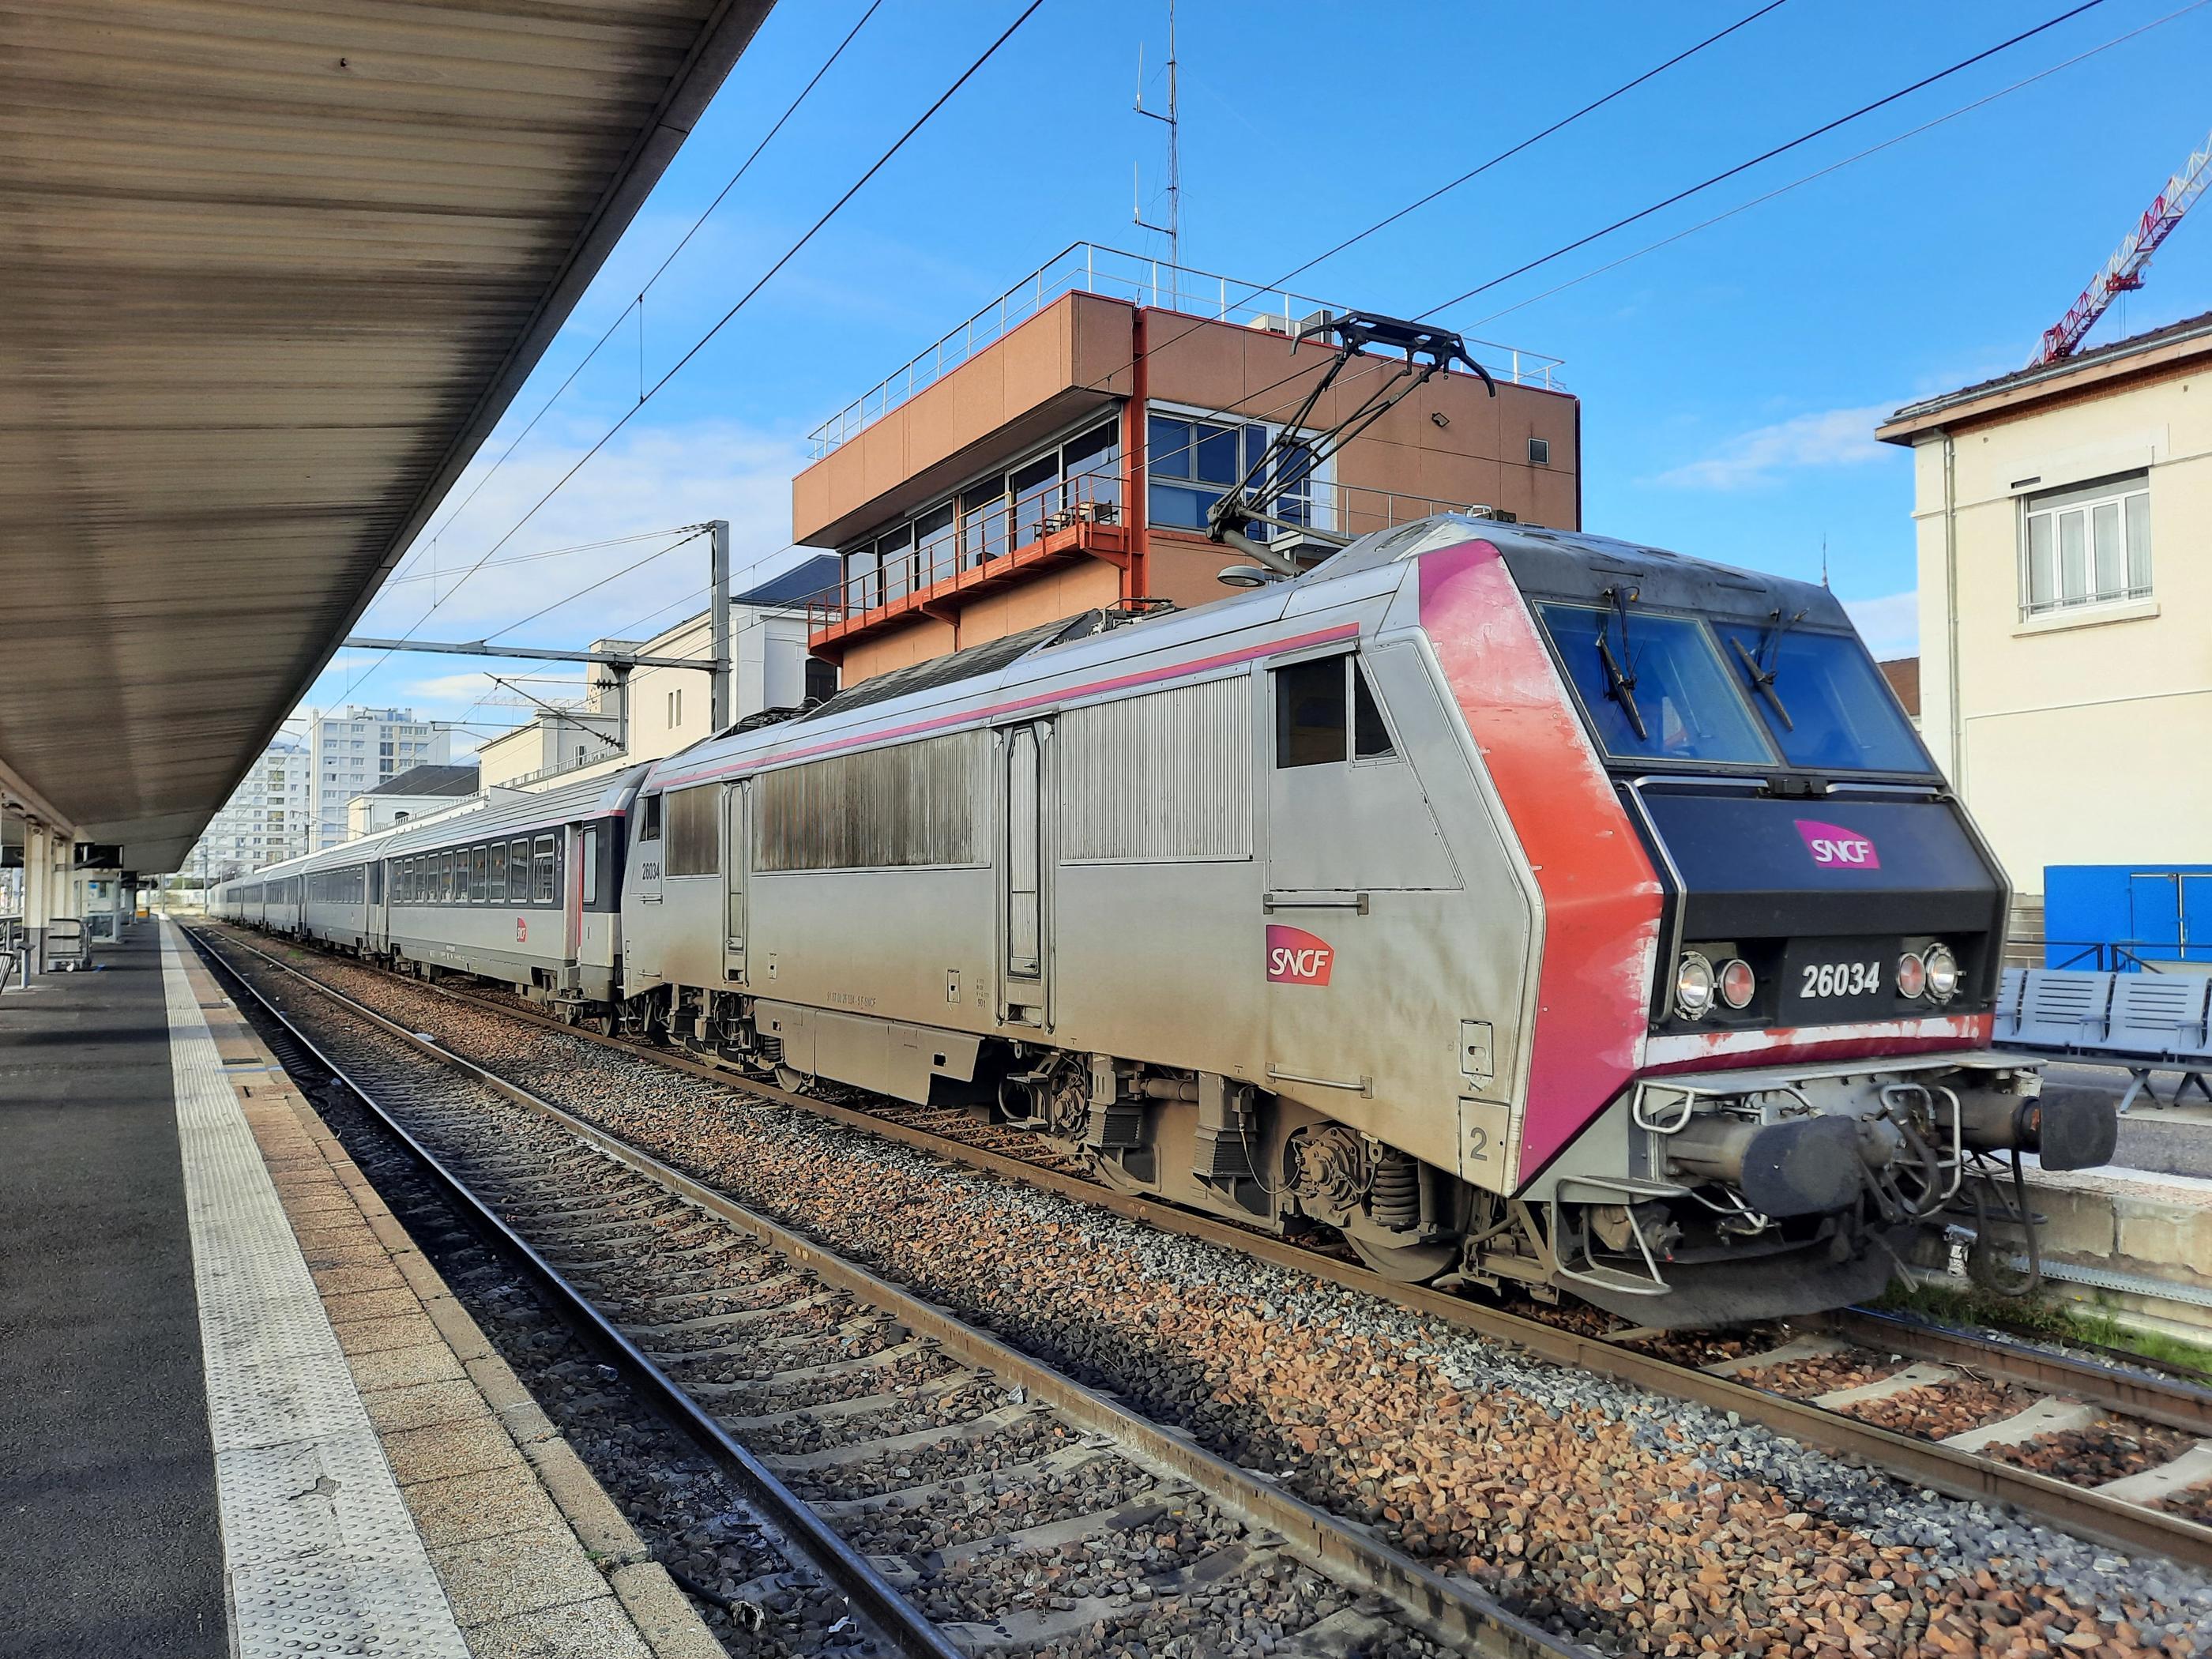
{"x": 1834, "y": 848}
{"x": 1296, "y": 957}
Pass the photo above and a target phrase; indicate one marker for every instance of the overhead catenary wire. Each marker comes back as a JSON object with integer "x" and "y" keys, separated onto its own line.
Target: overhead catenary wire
{"x": 1656, "y": 207}
{"x": 1782, "y": 148}
{"x": 1502, "y": 156}
{"x": 683, "y": 241}
{"x": 690, "y": 535}
{"x": 1837, "y": 167}
{"x": 552, "y": 553}
{"x": 768, "y": 276}
{"x": 727, "y": 317}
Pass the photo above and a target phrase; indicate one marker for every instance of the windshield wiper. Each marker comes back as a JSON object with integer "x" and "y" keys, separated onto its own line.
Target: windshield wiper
{"x": 1762, "y": 680}
{"x": 1770, "y": 648}
{"x": 1619, "y": 682}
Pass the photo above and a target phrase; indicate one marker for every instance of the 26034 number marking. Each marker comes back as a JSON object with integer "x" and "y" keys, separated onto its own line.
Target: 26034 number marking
{"x": 1841, "y": 979}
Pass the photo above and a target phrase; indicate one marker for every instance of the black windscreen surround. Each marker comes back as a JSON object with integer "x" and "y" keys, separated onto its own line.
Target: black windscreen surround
{"x": 1766, "y": 867}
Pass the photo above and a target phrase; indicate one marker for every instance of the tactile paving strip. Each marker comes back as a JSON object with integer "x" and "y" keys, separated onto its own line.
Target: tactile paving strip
{"x": 322, "y": 1555}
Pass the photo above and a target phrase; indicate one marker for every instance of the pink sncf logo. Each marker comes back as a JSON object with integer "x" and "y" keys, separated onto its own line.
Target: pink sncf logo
{"x": 1298, "y": 957}
{"x": 1834, "y": 848}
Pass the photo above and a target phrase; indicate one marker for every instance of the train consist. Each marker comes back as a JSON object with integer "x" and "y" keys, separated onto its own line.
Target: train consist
{"x": 1529, "y": 908}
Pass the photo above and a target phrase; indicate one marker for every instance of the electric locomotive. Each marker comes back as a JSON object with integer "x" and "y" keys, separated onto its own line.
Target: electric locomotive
{"x": 1529, "y": 907}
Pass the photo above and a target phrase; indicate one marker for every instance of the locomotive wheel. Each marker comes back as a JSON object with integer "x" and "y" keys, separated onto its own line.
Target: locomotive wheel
{"x": 1405, "y": 1264}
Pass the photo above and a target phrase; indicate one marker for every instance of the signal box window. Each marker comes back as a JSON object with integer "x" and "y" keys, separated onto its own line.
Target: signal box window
{"x": 1311, "y": 703}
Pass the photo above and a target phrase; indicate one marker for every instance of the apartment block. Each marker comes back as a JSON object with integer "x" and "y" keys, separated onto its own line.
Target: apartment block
{"x": 351, "y": 753}
{"x": 268, "y": 817}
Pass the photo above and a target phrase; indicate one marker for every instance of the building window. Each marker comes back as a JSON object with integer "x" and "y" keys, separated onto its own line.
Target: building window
{"x": 2087, "y": 544}
{"x": 1192, "y": 463}
{"x": 1078, "y": 477}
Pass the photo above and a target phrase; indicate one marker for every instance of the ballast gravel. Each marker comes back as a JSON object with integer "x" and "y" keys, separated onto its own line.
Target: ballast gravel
{"x": 1635, "y": 1522}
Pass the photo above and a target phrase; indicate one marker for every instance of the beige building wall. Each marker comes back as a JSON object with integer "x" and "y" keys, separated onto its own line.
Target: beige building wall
{"x": 2083, "y": 735}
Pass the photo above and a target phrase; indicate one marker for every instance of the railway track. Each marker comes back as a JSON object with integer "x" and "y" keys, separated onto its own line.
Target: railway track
{"x": 966, "y": 1497}
{"x": 1958, "y": 1412}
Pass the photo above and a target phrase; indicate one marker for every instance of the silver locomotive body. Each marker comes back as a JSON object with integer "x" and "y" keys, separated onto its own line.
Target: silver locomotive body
{"x": 1353, "y": 902}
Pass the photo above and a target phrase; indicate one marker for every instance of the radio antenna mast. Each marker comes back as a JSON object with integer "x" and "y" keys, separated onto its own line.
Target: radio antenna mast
{"x": 1173, "y": 121}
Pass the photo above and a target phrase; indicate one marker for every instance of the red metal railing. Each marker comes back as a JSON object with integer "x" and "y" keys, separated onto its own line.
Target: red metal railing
{"x": 977, "y": 547}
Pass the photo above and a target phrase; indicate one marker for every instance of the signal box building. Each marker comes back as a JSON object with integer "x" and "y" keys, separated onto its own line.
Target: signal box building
{"x": 2065, "y": 674}
{"x": 1057, "y": 454}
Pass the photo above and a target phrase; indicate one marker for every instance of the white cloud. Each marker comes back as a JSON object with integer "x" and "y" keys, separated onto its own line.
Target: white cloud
{"x": 1835, "y": 437}
{"x": 1891, "y": 624}
{"x": 654, "y": 477}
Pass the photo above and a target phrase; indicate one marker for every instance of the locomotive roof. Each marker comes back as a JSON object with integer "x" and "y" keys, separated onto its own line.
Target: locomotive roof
{"x": 1574, "y": 564}
{"x": 1551, "y": 563}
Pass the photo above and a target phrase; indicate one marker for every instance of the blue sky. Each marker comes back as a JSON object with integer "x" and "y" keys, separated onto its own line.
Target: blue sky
{"x": 1730, "y": 379}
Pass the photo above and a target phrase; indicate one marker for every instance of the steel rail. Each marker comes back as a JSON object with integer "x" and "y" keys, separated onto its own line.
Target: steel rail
{"x": 2078, "y": 1510}
{"x": 2175, "y": 1404}
{"x": 806, "y": 1538}
{"x": 1450, "y": 1610}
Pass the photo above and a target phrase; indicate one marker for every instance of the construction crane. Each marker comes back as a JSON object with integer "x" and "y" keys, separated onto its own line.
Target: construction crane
{"x": 2124, "y": 270}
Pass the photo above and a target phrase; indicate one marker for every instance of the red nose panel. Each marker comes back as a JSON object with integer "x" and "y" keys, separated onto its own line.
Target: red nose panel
{"x": 1600, "y": 895}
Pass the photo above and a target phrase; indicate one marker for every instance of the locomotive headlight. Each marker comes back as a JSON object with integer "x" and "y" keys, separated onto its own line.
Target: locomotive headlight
{"x": 1942, "y": 972}
{"x": 1737, "y": 983}
{"x": 1693, "y": 986}
{"x": 1911, "y": 975}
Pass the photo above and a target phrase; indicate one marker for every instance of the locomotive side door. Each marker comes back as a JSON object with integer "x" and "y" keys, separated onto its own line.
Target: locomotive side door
{"x": 1025, "y": 966}
{"x": 737, "y": 855}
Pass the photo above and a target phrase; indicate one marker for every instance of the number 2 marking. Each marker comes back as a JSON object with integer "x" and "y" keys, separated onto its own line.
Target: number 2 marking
{"x": 1478, "y": 1145}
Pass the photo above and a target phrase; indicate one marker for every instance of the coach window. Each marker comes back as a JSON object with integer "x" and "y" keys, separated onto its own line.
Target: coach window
{"x": 480, "y": 875}
{"x": 449, "y": 886}
{"x": 498, "y": 871}
{"x": 517, "y": 865}
{"x": 546, "y": 871}
{"x": 590, "y": 854}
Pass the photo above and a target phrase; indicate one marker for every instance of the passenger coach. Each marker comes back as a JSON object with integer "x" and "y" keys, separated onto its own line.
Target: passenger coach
{"x": 519, "y": 890}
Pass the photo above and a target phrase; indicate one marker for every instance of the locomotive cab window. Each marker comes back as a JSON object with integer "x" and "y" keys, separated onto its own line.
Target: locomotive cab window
{"x": 1823, "y": 701}
{"x": 1321, "y": 703}
{"x": 1653, "y": 686}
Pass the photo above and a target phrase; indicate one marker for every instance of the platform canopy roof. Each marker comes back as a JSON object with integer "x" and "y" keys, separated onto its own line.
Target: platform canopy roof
{"x": 269, "y": 274}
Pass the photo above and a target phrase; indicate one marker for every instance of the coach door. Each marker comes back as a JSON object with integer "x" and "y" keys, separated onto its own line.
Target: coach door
{"x": 737, "y": 854}
{"x": 1022, "y": 865}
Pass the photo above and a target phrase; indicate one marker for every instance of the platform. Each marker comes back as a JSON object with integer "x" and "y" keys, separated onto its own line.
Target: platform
{"x": 244, "y": 1416}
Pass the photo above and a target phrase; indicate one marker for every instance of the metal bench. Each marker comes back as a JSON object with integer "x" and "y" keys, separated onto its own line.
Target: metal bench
{"x": 2144, "y": 1022}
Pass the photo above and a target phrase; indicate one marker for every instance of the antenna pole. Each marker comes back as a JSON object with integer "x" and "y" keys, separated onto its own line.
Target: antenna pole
{"x": 1173, "y": 121}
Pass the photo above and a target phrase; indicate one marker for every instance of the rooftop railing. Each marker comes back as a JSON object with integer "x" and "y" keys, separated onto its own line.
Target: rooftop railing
{"x": 1087, "y": 268}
